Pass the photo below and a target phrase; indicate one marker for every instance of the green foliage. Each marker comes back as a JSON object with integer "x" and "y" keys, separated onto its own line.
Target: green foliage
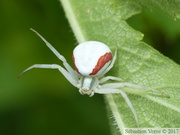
{"x": 137, "y": 62}
{"x": 170, "y": 7}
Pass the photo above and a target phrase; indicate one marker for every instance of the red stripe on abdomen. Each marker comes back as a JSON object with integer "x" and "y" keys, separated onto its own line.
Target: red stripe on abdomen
{"x": 101, "y": 62}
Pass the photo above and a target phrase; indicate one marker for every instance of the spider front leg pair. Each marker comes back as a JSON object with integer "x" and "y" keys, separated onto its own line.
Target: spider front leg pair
{"x": 68, "y": 72}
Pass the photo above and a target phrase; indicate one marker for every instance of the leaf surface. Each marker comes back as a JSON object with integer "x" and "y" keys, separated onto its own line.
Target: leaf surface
{"x": 137, "y": 62}
{"x": 170, "y": 7}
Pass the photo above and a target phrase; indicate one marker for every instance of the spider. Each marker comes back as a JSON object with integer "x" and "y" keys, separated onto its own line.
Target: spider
{"x": 92, "y": 60}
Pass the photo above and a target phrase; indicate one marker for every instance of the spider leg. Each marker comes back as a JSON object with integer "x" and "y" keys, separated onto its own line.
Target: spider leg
{"x": 111, "y": 91}
{"x": 66, "y": 74}
{"x": 111, "y": 65}
{"x": 104, "y": 79}
{"x": 68, "y": 67}
{"x": 127, "y": 84}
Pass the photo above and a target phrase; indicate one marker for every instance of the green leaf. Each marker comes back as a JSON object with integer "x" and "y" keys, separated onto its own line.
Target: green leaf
{"x": 138, "y": 63}
{"x": 170, "y": 7}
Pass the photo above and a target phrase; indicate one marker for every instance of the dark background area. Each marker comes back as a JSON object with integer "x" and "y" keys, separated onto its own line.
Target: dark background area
{"x": 42, "y": 101}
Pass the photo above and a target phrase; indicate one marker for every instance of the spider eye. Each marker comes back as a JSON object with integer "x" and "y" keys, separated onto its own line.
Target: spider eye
{"x": 85, "y": 91}
{"x": 91, "y": 58}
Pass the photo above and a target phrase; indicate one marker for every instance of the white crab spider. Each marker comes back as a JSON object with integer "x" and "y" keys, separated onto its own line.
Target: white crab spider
{"x": 92, "y": 60}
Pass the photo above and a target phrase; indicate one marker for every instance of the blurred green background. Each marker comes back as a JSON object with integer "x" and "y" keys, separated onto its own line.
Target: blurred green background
{"x": 42, "y": 101}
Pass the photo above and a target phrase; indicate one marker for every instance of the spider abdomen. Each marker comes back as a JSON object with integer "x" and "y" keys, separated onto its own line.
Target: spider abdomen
{"x": 91, "y": 58}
